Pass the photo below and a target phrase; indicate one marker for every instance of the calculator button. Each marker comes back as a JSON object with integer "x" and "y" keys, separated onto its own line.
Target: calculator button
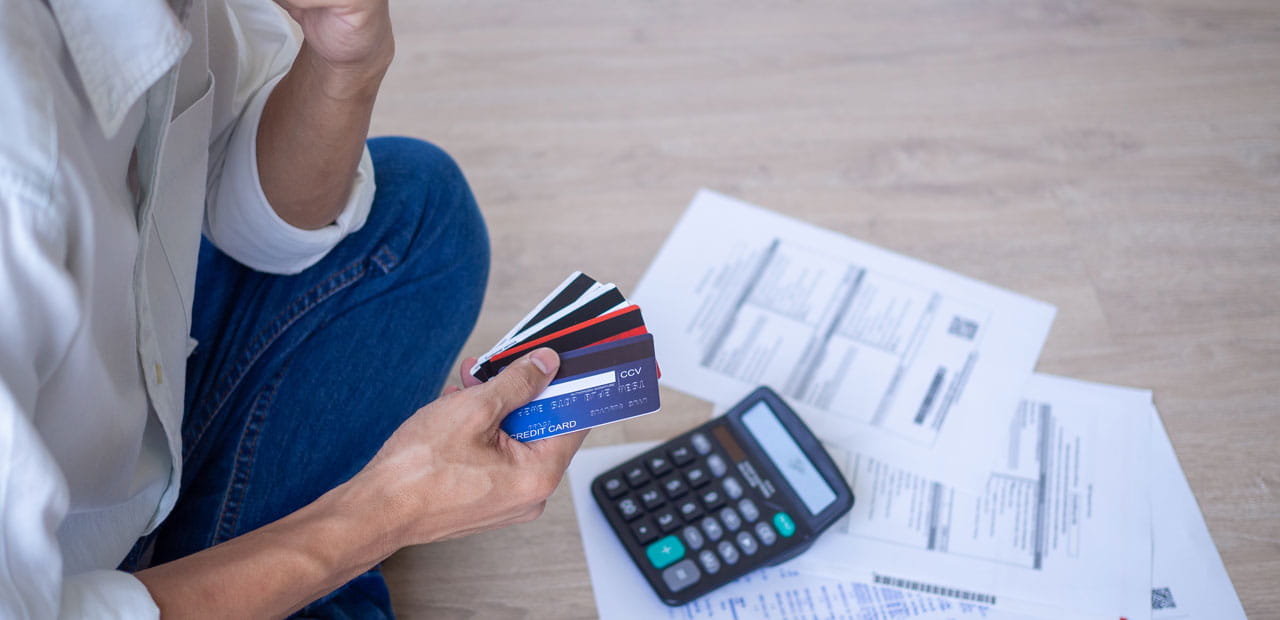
{"x": 667, "y": 520}
{"x": 614, "y": 487}
{"x": 712, "y": 499}
{"x": 718, "y": 468}
{"x": 782, "y": 521}
{"x": 681, "y": 455}
{"x": 712, "y": 529}
{"x": 665, "y": 552}
{"x": 674, "y": 486}
{"x": 681, "y": 576}
{"x": 710, "y": 562}
{"x": 659, "y": 465}
{"x": 697, "y": 476}
{"x": 636, "y": 476}
{"x": 693, "y": 537}
{"x": 731, "y": 519}
{"x": 644, "y": 531}
{"x": 651, "y": 497}
{"x": 690, "y": 510}
{"x": 766, "y": 533}
{"x": 747, "y": 542}
{"x": 732, "y": 487}
{"x": 749, "y": 510}
{"x": 728, "y": 552}
{"x": 629, "y": 508}
{"x": 701, "y": 443}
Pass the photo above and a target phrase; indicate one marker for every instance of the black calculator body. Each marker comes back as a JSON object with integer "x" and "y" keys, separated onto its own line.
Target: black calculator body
{"x": 750, "y": 488}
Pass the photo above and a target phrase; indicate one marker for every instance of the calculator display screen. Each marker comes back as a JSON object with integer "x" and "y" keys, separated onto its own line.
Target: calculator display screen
{"x": 788, "y": 457}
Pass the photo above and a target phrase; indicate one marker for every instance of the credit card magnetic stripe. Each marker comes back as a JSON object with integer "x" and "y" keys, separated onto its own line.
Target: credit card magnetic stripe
{"x": 569, "y": 290}
{"x": 608, "y": 300}
{"x": 584, "y": 334}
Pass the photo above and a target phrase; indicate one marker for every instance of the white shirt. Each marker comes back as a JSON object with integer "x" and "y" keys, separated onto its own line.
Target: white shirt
{"x": 97, "y": 274}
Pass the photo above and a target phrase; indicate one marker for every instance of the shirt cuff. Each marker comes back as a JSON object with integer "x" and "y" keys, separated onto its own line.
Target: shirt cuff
{"x": 106, "y": 594}
{"x": 242, "y": 223}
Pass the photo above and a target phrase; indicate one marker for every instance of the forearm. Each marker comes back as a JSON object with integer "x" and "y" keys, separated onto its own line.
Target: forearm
{"x": 311, "y": 136}
{"x": 276, "y": 569}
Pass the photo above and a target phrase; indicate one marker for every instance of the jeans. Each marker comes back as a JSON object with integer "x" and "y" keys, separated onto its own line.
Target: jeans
{"x": 298, "y": 380}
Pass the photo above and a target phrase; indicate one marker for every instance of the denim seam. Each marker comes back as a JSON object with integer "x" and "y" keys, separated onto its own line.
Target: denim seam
{"x": 269, "y": 334}
{"x": 386, "y": 259}
{"x": 246, "y": 454}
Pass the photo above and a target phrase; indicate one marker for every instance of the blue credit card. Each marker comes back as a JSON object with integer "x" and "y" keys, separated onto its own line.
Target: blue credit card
{"x": 595, "y": 385}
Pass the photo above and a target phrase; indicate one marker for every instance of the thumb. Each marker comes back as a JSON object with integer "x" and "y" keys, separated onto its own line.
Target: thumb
{"x": 520, "y": 382}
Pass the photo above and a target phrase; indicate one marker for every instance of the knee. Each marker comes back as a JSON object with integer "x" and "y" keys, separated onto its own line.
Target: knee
{"x": 437, "y": 203}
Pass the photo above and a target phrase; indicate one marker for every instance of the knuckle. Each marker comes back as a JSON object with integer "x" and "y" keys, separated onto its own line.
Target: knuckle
{"x": 537, "y": 487}
{"x": 527, "y": 489}
{"x": 529, "y": 379}
{"x": 485, "y": 400}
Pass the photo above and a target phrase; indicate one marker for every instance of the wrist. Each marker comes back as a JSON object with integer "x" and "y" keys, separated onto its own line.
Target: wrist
{"x": 356, "y": 513}
{"x": 346, "y": 81}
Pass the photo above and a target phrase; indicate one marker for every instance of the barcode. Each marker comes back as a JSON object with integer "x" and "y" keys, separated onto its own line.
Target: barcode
{"x": 929, "y": 588}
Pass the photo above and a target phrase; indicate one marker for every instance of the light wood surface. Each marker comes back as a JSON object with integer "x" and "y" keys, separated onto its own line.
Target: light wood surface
{"x": 1119, "y": 159}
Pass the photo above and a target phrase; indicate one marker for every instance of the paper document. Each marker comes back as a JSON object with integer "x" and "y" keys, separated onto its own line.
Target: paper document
{"x": 777, "y": 593}
{"x": 1063, "y": 522}
{"x": 1188, "y": 580}
{"x": 855, "y": 336}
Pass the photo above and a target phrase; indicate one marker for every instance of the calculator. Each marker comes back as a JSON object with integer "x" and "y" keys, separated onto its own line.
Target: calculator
{"x": 751, "y": 488}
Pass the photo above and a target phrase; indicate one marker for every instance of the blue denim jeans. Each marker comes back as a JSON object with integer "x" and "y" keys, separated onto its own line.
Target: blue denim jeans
{"x": 297, "y": 380}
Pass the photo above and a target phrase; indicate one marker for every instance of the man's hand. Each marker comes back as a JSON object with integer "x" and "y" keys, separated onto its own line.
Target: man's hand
{"x": 447, "y": 472}
{"x": 351, "y": 39}
{"x": 450, "y": 471}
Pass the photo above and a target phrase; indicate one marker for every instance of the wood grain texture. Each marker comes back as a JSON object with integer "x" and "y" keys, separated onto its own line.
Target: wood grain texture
{"x": 1120, "y": 159}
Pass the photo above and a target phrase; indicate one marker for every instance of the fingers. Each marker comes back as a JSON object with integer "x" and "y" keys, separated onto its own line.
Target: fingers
{"x": 464, "y": 373}
{"x": 519, "y": 382}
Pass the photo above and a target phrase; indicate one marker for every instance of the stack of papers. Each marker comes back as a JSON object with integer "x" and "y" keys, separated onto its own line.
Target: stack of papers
{"x": 982, "y": 489}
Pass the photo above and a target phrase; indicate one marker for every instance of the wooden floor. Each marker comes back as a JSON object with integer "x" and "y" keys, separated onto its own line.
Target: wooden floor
{"x": 1117, "y": 158}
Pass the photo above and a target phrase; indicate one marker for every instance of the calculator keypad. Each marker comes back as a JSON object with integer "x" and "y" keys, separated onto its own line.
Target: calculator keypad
{"x": 692, "y": 537}
{"x": 696, "y": 476}
{"x": 701, "y": 443}
{"x": 689, "y": 515}
{"x": 689, "y": 509}
{"x": 651, "y": 497}
{"x": 732, "y": 487}
{"x": 644, "y": 531}
{"x": 674, "y": 486}
{"x": 712, "y": 529}
{"x": 614, "y": 487}
{"x": 667, "y": 519}
{"x": 709, "y": 561}
{"x": 717, "y": 465}
{"x": 636, "y": 476}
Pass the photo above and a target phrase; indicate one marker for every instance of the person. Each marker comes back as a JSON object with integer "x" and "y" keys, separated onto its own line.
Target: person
{"x": 225, "y": 313}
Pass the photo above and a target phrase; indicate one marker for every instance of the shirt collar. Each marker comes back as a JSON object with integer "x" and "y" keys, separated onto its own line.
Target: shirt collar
{"x": 120, "y": 49}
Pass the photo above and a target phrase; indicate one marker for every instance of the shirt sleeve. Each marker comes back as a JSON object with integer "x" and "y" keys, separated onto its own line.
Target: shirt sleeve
{"x": 39, "y": 292}
{"x": 252, "y": 46}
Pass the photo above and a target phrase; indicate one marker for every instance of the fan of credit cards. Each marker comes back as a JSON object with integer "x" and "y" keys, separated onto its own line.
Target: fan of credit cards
{"x": 607, "y": 367}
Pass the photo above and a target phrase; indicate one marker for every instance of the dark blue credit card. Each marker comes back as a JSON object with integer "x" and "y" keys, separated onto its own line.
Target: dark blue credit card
{"x": 595, "y": 385}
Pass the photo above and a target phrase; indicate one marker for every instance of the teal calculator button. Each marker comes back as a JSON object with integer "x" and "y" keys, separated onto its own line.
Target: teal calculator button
{"x": 665, "y": 552}
{"x": 783, "y": 523}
